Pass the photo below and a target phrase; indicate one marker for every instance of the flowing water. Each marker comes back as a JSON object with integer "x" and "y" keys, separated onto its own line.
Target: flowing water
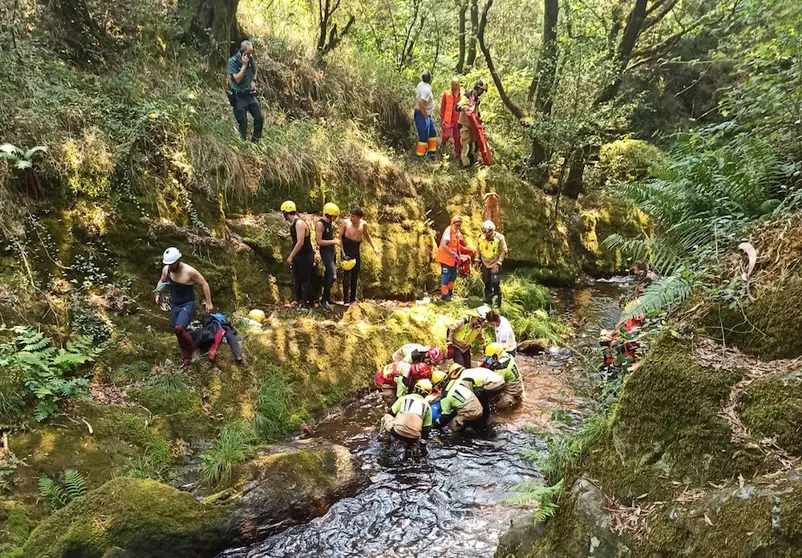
{"x": 447, "y": 504}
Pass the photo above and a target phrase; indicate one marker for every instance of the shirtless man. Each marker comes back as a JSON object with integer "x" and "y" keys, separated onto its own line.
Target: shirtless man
{"x": 182, "y": 278}
{"x": 352, "y": 231}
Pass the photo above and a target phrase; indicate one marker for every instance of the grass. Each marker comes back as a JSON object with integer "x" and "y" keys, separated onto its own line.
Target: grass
{"x": 274, "y": 403}
{"x": 229, "y": 450}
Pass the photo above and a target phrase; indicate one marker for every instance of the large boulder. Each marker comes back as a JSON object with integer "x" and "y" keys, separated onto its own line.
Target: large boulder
{"x": 141, "y": 518}
{"x": 289, "y": 483}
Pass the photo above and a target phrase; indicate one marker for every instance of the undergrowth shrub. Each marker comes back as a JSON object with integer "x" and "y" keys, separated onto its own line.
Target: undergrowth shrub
{"x": 232, "y": 447}
{"x": 58, "y": 494}
{"x": 629, "y": 159}
{"x": 274, "y": 404}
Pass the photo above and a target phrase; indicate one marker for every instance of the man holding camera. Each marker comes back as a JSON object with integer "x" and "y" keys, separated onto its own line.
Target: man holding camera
{"x": 241, "y": 72}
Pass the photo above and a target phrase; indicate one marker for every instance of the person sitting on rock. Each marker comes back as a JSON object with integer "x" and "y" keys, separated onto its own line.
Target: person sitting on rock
{"x": 181, "y": 278}
{"x": 459, "y": 406}
{"x": 409, "y": 420}
{"x": 504, "y": 364}
{"x": 414, "y": 353}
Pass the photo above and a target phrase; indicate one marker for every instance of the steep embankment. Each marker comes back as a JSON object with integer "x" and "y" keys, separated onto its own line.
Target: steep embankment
{"x": 701, "y": 455}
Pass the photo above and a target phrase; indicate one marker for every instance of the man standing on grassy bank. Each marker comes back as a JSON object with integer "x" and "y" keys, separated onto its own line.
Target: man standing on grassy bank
{"x": 449, "y": 257}
{"x": 181, "y": 279}
{"x": 490, "y": 254}
{"x": 241, "y": 73}
{"x": 324, "y": 235}
{"x": 424, "y": 121}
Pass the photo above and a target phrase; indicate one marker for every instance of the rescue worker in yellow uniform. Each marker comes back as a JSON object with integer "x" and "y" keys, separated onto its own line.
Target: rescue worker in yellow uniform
{"x": 462, "y": 334}
{"x": 486, "y": 384}
{"x": 459, "y": 405}
{"x": 490, "y": 254}
{"x": 385, "y": 380}
{"x": 409, "y": 420}
{"x": 504, "y": 364}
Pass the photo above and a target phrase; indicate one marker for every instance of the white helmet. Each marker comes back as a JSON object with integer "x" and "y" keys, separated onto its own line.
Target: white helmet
{"x": 171, "y": 255}
{"x": 488, "y": 226}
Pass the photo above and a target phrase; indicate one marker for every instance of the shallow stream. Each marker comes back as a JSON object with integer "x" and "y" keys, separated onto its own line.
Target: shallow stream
{"x": 447, "y": 504}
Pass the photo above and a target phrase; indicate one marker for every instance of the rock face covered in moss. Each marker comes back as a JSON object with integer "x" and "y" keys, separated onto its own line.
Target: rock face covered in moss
{"x": 142, "y": 517}
{"x": 667, "y": 475}
{"x": 289, "y": 482}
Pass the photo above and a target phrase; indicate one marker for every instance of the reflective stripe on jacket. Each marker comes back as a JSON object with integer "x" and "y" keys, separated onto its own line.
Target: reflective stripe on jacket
{"x": 457, "y": 396}
{"x": 444, "y": 256}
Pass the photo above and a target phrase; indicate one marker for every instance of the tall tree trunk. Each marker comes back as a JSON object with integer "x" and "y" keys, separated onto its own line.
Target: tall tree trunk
{"x": 576, "y": 173}
{"x": 463, "y": 9}
{"x": 219, "y": 16}
{"x": 632, "y": 31}
{"x": 546, "y": 71}
{"x": 471, "y": 59}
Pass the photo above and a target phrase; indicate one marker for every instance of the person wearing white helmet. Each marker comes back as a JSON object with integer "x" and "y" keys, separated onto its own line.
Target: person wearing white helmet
{"x": 182, "y": 278}
{"x": 490, "y": 254}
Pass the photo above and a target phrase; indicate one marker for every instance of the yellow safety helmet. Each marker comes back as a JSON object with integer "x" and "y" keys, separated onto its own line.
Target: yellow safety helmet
{"x": 494, "y": 350}
{"x": 455, "y": 370}
{"x": 288, "y": 207}
{"x": 331, "y": 209}
{"x": 257, "y": 315}
{"x": 438, "y": 376}
{"x": 349, "y": 264}
{"x": 423, "y": 387}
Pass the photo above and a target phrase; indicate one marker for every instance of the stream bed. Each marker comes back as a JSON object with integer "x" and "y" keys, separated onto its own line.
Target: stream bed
{"x": 449, "y": 503}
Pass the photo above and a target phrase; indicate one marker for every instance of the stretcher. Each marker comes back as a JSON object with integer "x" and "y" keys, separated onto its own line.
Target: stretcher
{"x": 481, "y": 140}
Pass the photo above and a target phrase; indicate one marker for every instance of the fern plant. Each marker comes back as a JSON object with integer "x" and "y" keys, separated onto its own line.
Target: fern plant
{"x": 57, "y": 495}
{"x": 535, "y": 491}
{"x": 46, "y": 371}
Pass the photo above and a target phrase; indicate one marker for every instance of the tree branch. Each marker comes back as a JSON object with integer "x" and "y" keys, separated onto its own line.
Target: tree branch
{"x": 480, "y": 35}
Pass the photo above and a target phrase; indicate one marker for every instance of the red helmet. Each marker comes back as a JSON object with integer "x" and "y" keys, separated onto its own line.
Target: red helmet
{"x": 435, "y": 355}
{"x": 420, "y": 371}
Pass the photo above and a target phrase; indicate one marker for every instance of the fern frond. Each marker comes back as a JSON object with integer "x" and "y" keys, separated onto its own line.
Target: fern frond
{"x": 52, "y": 493}
{"x": 75, "y": 484}
{"x": 665, "y": 294}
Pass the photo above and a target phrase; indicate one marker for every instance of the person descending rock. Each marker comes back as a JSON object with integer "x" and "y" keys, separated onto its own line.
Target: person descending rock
{"x": 302, "y": 257}
{"x": 504, "y": 333}
{"x": 241, "y": 73}
{"x": 410, "y": 418}
{"x": 449, "y": 257}
{"x": 468, "y": 134}
{"x": 504, "y": 364}
{"x": 463, "y": 332}
{"x": 459, "y": 405}
{"x": 490, "y": 254}
{"x": 182, "y": 279}
{"x": 423, "y": 117}
{"x": 449, "y": 116}
{"x": 352, "y": 231}
{"x": 324, "y": 236}
{"x": 414, "y": 353}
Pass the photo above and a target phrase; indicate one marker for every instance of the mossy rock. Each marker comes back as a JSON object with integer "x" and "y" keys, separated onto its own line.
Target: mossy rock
{"x": 667, "y": 427}
{"x": 15, "y": 526}
{"x": 289, "y": 482}
{"x": 142, "y": 517}
{"x": 772, "y": 408}
{"x": 765, "y": 327}
{"x": 753, "y": 520}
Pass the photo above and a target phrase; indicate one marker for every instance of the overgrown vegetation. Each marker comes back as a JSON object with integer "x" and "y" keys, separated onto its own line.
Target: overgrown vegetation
{"x": 59, "y": 494}
{"x": 47, "y": 372}
{"x": 232, "y": 447}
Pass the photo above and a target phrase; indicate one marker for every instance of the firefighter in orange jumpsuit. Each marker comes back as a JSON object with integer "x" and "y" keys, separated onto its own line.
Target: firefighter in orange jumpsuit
{"x": 449, "y": 115}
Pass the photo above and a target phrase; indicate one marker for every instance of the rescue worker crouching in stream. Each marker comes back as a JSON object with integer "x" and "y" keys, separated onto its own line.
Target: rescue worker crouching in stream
{"x": 409, "y": 420}
{"x": 395, "y": 379}
{"x": 459, "y": 405}
{"x": 503, "y": 363}
{"x": 464, "y": 332}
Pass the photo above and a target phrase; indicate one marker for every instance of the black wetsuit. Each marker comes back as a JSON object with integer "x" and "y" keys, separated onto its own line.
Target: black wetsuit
{"x": 303, "y": 267}
{"x": 182, "y": 303}
{"x": 327, "y": 254}
{"x": 351, "y": 250}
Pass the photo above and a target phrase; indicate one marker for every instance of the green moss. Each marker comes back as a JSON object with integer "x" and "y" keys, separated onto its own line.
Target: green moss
{"x": 142, "y": 517}
{"x": 766, "y": 326}
{"x": 772, "y": 408}
{"x": 667, "y": 427}
{"x": 15, "y": 526}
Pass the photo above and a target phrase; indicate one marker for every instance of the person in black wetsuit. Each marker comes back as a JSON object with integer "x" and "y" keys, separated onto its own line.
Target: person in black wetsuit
{"x": 324, "y": 235}
{"x": 182, "y": 278}
{"x": 352, "y": 231}
{"x": 302, "y": 257}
